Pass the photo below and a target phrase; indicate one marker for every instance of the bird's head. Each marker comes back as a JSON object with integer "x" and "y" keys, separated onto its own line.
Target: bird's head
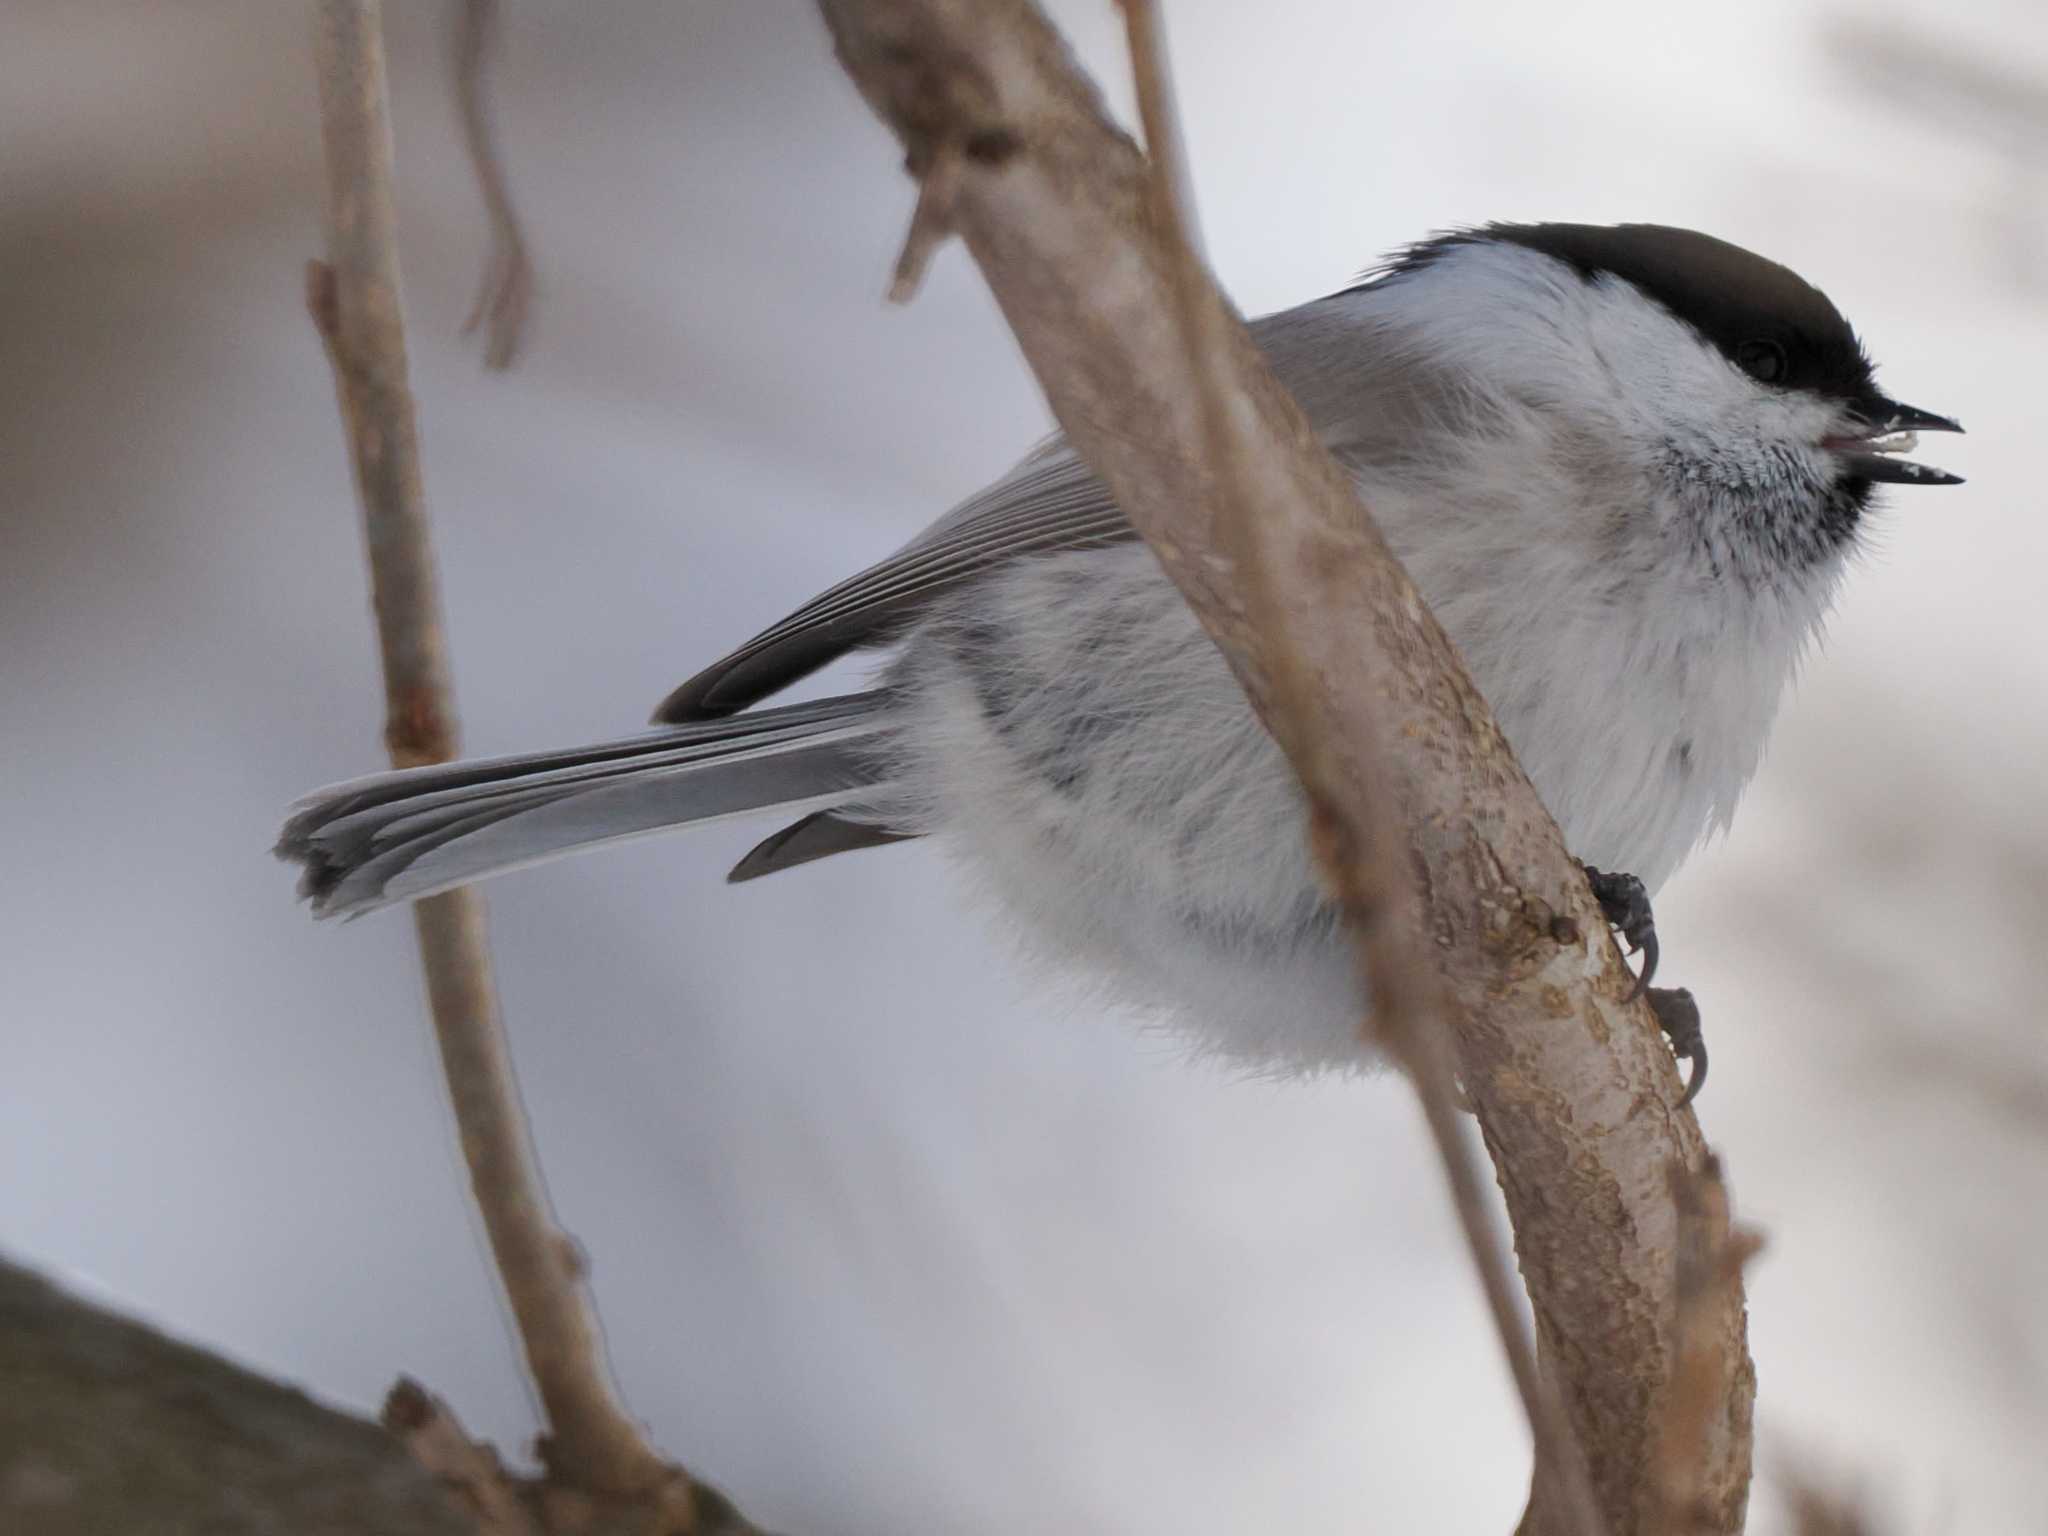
{"x": 1723, "y": 375}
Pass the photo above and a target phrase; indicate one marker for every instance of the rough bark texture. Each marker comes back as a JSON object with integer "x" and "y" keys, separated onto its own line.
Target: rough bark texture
{"x": 1573, "y": 1086}
{"x": 108, "y": 1427}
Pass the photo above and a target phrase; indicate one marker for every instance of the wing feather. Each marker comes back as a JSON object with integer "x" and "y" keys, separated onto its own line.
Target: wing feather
{"x": 1328, "y": 353}
{"x": 1050, "y": 502}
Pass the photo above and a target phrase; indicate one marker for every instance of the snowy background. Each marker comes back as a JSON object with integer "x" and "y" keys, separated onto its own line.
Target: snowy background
{"x": 889, "y": 1236}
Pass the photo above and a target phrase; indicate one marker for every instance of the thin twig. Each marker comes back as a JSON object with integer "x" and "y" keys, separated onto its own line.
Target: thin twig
{"x": 931, "y": 224}
{"x": 467, "y": 1468}
{"x": 1360, "y": 861}
{"x": 1819, "y": 1512}
{"x": 354, "y": 298}
{"x": 505, "y": 296}
{"x": 1712, "y": 1254}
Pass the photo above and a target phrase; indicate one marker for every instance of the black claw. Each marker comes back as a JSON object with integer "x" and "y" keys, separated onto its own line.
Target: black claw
{"x": 1626, "y": 904}
{"x": 1679, "y": 1016}
{"x": 1649, "y": 948}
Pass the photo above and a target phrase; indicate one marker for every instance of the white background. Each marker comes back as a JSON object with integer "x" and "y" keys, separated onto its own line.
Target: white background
{"x": 889, "y": 1234}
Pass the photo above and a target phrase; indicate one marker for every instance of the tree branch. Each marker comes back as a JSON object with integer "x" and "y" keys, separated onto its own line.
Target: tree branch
{"x": 107, "y": 1426}
{"x": 1575, "y": 1092}
{"x": 593, "y": 1446}
{"x": 505, "y": 295}
{"x": 1712, "y": 1253}
{"x": 1359, "y": 845}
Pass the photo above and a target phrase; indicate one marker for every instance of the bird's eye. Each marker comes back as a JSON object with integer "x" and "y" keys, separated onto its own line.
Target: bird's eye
{"x": 1763, "y": 361}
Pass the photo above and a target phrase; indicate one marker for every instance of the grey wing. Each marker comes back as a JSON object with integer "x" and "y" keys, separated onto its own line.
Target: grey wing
{"x": 1052, "y": 502}
{"x": 1049, "y": 502}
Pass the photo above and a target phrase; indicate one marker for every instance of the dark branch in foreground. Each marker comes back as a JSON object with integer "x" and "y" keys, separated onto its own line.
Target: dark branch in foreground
{"x": 107, "y": 1426}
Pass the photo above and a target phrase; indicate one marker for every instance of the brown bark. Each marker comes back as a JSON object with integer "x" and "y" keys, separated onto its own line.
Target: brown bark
{"x": 504, "y": 298}
{"x": 1574, "y": 1089}
{"x": 594, "y": 1449}
{"x": 108, "y": 1426}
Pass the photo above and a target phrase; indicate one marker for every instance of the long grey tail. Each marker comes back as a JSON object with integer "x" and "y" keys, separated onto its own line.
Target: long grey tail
{"x": 399, "y": 836}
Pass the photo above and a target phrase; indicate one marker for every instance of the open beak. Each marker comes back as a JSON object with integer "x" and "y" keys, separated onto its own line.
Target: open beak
{"x": 1889, "y": 431}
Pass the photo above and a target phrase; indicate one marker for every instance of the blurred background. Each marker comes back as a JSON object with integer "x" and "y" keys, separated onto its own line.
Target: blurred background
{"x": 889, "y": 1233}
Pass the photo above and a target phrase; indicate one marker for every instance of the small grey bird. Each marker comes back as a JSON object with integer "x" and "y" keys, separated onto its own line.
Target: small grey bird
{"x": 1626, "y": 466}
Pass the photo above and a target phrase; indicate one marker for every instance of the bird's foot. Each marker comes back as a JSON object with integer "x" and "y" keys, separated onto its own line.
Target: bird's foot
{"x": 1626, "y": 905}
{"x": 1679, "y": 1017}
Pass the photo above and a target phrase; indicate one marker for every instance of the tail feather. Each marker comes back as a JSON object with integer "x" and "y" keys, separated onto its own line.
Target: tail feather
{"x": 398, "y": 836}
{"x": 712, "y": 736}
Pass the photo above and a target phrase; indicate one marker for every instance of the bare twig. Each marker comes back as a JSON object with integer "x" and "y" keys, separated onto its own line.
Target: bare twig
{"x": 505, "y": 295}
{"x": 109, "y": 1428}
{"x": 1994, "y": 97}
{"x": 500, "y": 1503}
{"x": 593, "y": 1445}
{"x": 1575, "y": 1091}
{"x": 469, "y": 1470}
{"x": 1712, "y": 1253}
{"x": 1819, "y": 1512}
{"x": 1358, "y": 845}
{"x": 2007, "y": 1085}
{"x": 930, "y": 225}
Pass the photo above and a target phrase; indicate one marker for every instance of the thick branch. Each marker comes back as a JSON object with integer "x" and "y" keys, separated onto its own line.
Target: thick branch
{"x": 1574, "y": 1089}
{"x": 593, "y": 1444}
{"x": 107, "y": 1426}
{"x": 1359, "y": 842}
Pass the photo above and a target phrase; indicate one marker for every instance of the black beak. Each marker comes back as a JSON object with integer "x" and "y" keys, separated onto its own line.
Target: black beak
{"x": 1909, "y": 418}
{"x": 1868, "y": 456}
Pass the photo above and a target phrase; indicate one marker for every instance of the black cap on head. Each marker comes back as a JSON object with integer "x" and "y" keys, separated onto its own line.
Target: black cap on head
{"x": 1765, "y": 318}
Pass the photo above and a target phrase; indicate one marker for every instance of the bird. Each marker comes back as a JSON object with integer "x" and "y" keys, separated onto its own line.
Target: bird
{"x": 1627, "y": 467}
